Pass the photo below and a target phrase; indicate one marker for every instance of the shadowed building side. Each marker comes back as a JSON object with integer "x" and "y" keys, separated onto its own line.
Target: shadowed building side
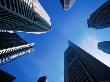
{"x": 67, "y": 4}
{"x": 101, "y": 17}
{"x": 104, "y": 46}
{"x": 80, "y": 66}
{"x": 62, "y": 3}
{"x": 42, "y": 79}
{"x": 24, "y": 15}
{"x": 13, "y": 46}
{"x": 5, "y": 77}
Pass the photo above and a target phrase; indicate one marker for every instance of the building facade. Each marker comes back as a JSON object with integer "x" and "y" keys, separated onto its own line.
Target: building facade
{"x": 67, "y": 4}
{"x": 104, "y": 46}
{"x": 101, "y": 17}
{"x": 5, "y": 77}
{"x": 42, "y": 79}
{"x": 13, "y": 46}
{"x": 80, "y": 66}
{"x": 23, "y": 15}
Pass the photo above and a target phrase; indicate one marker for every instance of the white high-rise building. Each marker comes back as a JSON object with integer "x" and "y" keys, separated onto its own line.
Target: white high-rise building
{"x": 67, "y": 4}
{"x": 23, "y": 15}
{"x": 13, "y": 46}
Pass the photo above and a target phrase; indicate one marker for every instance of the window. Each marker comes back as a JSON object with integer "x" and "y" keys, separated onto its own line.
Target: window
{"x": 19, "y": 7}
{"x": 16, "y": 5}
{"x": 12, "y": 5}
{"x": 2, "y": 2}
{"x": 8, "y": 4}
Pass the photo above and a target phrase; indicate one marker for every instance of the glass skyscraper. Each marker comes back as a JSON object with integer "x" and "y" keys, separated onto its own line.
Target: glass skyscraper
{"x": 67, "y": 4}
{"x": 13, "y": 46}
{"x": 101, "y": 17}
{"x": 80, "y": 66}
{"x": 42, "y": 79}
{"x": 104, "y": 46}
{"x": 5, "y": 77}
{"x": 23, "y": 15}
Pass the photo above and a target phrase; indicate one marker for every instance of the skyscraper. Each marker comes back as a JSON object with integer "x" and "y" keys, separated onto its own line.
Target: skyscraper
{"x": 80, "y": 66}
{"x": 104, "y": 46}
{"x": 42, "y": 79}
{"x": 5, "y": 77}
{"x": 23, "y": 15}
{"x": 12, "y": 46}
{"x": 101, "y": 17}
{"x": 67, "y": 4}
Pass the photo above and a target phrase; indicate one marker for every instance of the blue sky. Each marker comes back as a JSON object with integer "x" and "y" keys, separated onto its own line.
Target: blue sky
{"x": 48, "y": 57}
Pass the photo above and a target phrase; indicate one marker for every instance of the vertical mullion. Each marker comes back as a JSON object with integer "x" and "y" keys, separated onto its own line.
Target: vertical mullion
{"x": 16, "y": 6}
{"x": 8, "y": 4}
{"x": 2, "y": 3}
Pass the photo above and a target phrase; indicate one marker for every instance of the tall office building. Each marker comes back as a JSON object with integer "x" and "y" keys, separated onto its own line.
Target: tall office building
{"x": 23, "y": 15}
{"x": 5, "y": 77}
{"x": 104, "y": 46}
{"x": 80, "y": 66}
{"x": 12, "y": 46}
{"x": 67, "y": 4}
{"x": 101, "y": 17}
{"x": 42, "y": 79}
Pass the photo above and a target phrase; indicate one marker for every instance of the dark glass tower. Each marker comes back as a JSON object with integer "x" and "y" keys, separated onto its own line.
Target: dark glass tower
{"x": 5, "y": 77}
{"x": 101, "y": 17}
{"x": 80, "y": 66}
{"x": 12, "y": 46}
{"x": 24, "y": 15}
{"x": 104, "y": 46}
{"x": 42, "y": 79}
{"x": 67, "y": 4}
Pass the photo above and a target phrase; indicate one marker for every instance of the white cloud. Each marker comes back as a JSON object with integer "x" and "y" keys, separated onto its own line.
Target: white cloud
{"x": 89, "y": 44}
